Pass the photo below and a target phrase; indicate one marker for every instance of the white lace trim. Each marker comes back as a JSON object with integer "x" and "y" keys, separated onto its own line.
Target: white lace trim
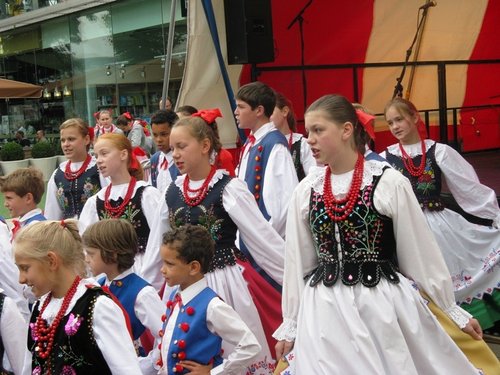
{"x": 412, "y": 150}
{"x": 219, "y": 173}
{"x": 342, "y": 182}
{"x": 459, "y": 316}
{"x": 286, "y": 331}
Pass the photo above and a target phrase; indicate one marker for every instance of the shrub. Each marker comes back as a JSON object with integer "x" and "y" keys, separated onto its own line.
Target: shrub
{"x": 12, "y": 151}
{"x": 42, "y": 150}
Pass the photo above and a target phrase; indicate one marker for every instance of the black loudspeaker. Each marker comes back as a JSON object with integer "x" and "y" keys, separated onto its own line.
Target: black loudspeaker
{"x": 249, "y": 31}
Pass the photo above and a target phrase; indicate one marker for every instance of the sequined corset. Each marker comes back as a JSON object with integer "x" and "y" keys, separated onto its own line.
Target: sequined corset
{"x": 211, "y": 214}
{"x": 133, "y": 213}
{"x": 426, "y": 187}
{"x": 360, "y": 248}
{"x": 72, "y": 194}
{"x": 295, "y": 151}
{"x": 75, "y": 349}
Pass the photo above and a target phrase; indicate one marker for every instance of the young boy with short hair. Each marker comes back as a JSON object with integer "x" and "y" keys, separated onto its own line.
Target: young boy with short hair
{"x": 197, "y": 321}
{"x": 23, "y": 190}
{"x": 163, "y": 169}
{"x": 110, "y": 249}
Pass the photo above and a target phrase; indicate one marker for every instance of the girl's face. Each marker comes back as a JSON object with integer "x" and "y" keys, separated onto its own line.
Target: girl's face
{"x": 279, "y": 119}
{"x": 74, "y": 144}
{"x": 190, "y": 154}
{"x": 327, "y": 139}
{"x": 94, "y": 260}
{"x": 34, "y": 273}
{"x": 105, "y": 120}
{"x": 110, "y": 159}
{"x": 403, "y": 127}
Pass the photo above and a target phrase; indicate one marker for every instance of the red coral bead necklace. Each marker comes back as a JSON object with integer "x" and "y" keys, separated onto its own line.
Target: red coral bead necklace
{"x": 70, "y": 175}
{"x": 335, "y": 206}
{"x": 408, "y": 162}
{"x": 45, "y": 334}
{"x": 200, "y": 193}
{"x": 116, "y": 212}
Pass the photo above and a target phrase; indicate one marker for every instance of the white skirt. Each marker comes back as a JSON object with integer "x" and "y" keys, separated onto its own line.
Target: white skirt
{"x": 471, "y": 252}
{"x": 384, "y": 330}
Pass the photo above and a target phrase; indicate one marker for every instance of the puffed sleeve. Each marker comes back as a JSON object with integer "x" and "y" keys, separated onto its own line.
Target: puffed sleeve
{"x": 300, "y": 260}
{"x": 52, "y": 209}
{"x": 89, "y": 214}
{"x": 418, "y": 254}
{"x": 113, "y": 338}
{"x": 264, "y": 243}
{"x": 14, "y": 332}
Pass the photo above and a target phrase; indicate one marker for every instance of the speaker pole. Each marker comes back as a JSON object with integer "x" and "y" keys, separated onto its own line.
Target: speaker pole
{"x": 300, "y": 19}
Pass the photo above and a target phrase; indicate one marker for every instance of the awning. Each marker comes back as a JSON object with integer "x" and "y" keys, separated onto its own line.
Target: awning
{"x": 14, "y": 89}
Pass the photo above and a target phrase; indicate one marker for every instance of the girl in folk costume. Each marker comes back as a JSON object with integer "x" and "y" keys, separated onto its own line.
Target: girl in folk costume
{"x": 355, "y": 236}
{"x": 134, "y": 131}
{"x": 284, "y": 120}
{"x": 127, "y": 196}
{"x": 471, "y": 251}
{"x": 105, "y": 124}
{"x": 75, "y": 328}
{"x": 76, "y": 179}
{"x": 221, "y": 158}
{"x": 209, "y": 197}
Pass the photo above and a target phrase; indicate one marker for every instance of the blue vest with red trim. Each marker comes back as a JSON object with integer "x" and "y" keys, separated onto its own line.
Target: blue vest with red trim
{"x": 172, "y": 169}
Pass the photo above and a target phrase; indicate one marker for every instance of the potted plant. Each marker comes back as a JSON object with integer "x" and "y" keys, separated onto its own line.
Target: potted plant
{"x": 43, "y": 158}
{"x": 12, "y": 155}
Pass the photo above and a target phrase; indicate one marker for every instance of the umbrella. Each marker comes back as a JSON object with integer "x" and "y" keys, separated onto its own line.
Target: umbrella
{"x": 15, "y": 89}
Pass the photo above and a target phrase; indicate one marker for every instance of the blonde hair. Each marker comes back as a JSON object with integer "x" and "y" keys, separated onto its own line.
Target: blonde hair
{"x": 116, "y": 240}
{"x": 121, "y": 142}
{"x": 200, "y": 130}
{"x": 76, "y": 123}
{"x": 23, "y": 181}
{"x": 36, "y": 240}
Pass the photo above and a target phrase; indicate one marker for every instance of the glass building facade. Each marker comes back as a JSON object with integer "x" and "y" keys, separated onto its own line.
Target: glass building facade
{"x": 106, "y": 56}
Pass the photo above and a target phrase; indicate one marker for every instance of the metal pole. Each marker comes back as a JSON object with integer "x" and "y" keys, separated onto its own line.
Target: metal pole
{"x": 168, "y": 54}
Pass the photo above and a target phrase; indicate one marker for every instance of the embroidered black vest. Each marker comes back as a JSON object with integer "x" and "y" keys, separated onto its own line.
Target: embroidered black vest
{"x": 2, "y": 349}
{"x": 133, "y": 213}
{"x": 295, "y": 151}
{"x": 72, "y": 195}
{"x": 361, "y": 249}
{"x": 210, "y": 213}
{"x": 75, "y": 350}
{"x": 426, "y": 187}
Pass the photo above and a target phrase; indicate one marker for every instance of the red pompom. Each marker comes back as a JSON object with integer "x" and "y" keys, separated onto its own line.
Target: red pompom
{"x": 190, "y": 310}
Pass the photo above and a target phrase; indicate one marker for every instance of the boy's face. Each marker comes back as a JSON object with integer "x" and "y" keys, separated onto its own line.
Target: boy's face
{"x": 18, "y": 206}
{"x": 161, "y": 136}
{"x": 175, "y": 271}
{"x": 246, "y": 116}
{"x": 94, "y": 260}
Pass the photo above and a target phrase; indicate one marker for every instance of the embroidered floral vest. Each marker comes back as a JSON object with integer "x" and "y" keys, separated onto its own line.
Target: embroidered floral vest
{"x": 210, "y": 213}
{"x": 360, "y": 248}
{"x": 75, "y": 350}
{"x": 72, "y": 195}
{"x": 426, "y": 187}
{"x": 295, "y": 151}
{"x": 133, "y": 213}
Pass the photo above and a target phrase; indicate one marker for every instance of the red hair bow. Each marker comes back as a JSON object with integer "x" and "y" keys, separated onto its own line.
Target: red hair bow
{"x": 91, "y": 134}
{"x": 127, "y": 115}
{"x": 137, "y": 153}
{"x": 96, "y": 115}
{"x": 367, "y": 121}
{"x": 209, "y": 115}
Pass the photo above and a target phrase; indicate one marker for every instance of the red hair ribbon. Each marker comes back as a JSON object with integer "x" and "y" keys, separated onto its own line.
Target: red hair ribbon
{"x": 97, "y": 114}
{"x": 127, "y": 115}
{"x": 209, "y": 115}
{"x": 368, "y": 122}
{"x": 63, "y": 223}
{"x": 137, "y": 153}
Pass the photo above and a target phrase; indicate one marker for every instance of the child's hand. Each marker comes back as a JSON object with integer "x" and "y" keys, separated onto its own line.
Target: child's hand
{"x": 195, "y": 368}
{"x": 473, "y": 329}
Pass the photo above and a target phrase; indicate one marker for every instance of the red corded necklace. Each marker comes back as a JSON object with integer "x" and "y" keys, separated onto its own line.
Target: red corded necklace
{"x": 69, "y": 175}
{"x": 200, "y": 193}
{"x": 408, "y": 162}
{"x": 45, "y": 334}
{"x": 116, "y": 212}
{"x": 334, "y": 206}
